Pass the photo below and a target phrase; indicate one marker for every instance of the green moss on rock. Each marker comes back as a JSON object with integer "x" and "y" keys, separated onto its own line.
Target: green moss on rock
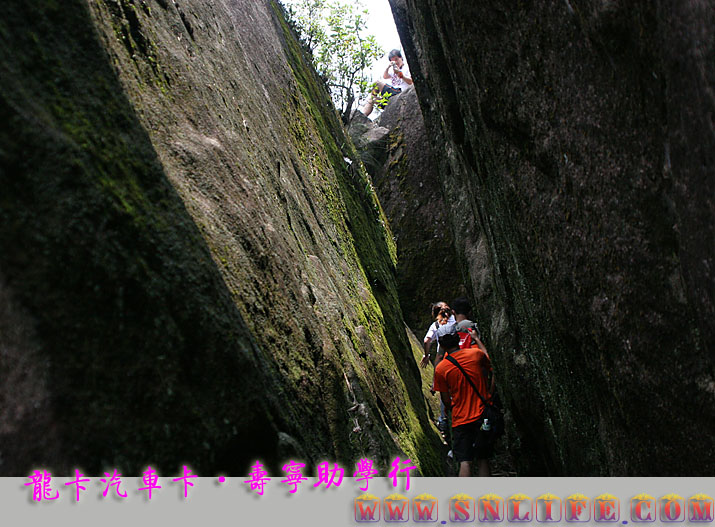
{"x": 209, "y": 282}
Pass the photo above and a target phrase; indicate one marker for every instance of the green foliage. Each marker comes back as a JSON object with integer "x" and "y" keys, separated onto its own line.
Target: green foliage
{"x": 381, "y": 99}
{"x": 334, "y": 32}
{"x": 307, "y": 17}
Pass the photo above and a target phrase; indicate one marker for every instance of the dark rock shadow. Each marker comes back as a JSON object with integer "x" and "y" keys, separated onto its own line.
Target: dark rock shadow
{"x": 149, "y": 358}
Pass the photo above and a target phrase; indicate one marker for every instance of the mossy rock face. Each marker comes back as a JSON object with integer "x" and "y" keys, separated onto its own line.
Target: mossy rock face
{"x": 577, "y": 141}
{"x": 397, "y": 152}
{"x": 194, "y": 271}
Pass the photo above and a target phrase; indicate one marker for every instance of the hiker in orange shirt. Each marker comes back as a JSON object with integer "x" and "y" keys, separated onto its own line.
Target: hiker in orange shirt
{"x": 466, "y": 391}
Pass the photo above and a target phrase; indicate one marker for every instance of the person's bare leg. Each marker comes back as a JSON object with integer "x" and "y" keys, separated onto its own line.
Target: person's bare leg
{"x": 465, "y": 469}
{"x": 484, "y": 470}
{"x": 370, "y": 104}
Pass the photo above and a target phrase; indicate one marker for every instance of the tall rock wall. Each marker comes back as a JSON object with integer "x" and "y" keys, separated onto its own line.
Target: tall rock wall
{"x": 576, "y": 147}
{"x": 193, "y": 265}
{"x": 397, "y": 153}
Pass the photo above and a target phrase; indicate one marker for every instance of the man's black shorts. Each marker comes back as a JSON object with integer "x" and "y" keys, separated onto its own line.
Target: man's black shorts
{"x": 468, "y": 443}
{"x": 390, "y": 89}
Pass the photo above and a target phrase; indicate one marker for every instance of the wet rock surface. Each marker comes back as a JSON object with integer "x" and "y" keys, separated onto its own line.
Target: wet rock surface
{"x": 576, "y": 157}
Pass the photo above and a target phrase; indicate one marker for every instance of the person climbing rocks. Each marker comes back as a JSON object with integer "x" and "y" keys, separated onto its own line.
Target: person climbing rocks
{"x": 462, "y": 309}
{"x": 397, "y": 81}
{"x": 467, "y": 408}
{"x": 439, "y": 311}
{"x": 442, "y": 314}
{"x": 469, "y": 334}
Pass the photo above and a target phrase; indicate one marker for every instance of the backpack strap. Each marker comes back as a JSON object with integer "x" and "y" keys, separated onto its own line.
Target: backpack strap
{"x": 454, "y": 361}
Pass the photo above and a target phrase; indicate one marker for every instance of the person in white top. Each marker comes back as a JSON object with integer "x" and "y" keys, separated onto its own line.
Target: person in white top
{"x": 443, "y": 314}
{"x": 393, "y": 82}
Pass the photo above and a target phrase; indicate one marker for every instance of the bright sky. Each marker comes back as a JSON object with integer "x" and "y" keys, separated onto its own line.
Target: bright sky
{"x": 381, "y": 24}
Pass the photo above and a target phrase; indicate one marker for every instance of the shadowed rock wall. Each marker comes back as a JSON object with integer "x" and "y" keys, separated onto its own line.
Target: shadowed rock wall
{"x": 190, "y": 271}
{"x": 397, "y": 153}
{"x": 579, "y": 136}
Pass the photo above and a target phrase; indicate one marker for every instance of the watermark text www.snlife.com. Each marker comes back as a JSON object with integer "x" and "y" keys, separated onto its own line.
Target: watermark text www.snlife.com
{"x": 547, "y": 508}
